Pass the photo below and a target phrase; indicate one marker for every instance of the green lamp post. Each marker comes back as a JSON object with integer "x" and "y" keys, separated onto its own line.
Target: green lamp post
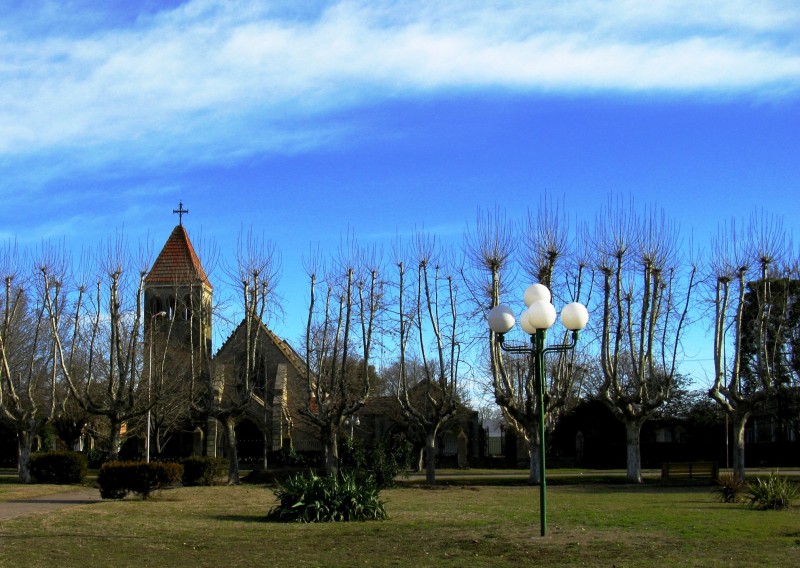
{"x": 539, "y": 316}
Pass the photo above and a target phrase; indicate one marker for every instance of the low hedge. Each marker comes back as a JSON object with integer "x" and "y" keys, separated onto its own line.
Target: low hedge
{"x": 60, "y": 467}
{"x": 199, "y": 470}
{"x": 117, "y": 479}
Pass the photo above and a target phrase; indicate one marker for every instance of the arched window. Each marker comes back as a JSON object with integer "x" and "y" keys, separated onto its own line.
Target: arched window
{"x": 171, "y": 307}
{"x": 187, "y": 307}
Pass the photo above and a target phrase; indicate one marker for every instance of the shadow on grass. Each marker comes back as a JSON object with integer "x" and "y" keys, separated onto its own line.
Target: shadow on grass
{"x": 242, "y": 518}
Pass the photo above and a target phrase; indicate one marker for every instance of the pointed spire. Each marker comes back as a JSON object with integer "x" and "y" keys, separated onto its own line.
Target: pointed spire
{"x": 177, "y": 263}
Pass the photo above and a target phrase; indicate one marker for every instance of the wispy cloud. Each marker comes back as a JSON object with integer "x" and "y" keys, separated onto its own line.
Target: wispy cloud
{"x": 217, "y": 80}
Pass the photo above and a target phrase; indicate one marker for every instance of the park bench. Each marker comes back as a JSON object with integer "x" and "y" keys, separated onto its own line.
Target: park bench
{"x": 691, "y": 470}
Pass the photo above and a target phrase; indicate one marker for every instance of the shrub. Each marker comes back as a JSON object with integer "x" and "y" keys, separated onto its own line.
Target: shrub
{"x": 382, "y": 462}
{"x": 729, "y": 488}
{"x": 288, "y": 456}
{"x": 317, "y": 498}
{"x": 117, "y": 479}
{"x": 96, "y": 458}
{"x": 58, "y": 467}
{"x": 773, "y": 493}
{"x": 199, "y": 470}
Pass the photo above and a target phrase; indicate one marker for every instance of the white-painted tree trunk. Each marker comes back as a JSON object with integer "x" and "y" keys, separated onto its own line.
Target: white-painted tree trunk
{"x": 633, "y": 430}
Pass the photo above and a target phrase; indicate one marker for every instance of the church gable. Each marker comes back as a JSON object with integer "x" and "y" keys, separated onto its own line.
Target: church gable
{"x": 280, "y": 383}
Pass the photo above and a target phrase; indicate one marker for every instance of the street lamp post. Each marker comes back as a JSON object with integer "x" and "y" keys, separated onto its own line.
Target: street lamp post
{"x": 149, "y": 384}
{"x": 539, "y": 316}
{"x": 354, "y": 421}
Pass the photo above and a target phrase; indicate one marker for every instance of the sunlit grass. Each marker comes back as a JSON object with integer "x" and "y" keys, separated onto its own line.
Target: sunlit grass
{"x": 589, "y": 525}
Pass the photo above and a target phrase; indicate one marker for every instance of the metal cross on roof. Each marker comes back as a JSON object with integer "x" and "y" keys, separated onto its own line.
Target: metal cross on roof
{"x": 180, "y": 211}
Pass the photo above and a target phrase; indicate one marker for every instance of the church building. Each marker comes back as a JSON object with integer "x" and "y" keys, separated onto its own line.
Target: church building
{"x": 178, "y": 327}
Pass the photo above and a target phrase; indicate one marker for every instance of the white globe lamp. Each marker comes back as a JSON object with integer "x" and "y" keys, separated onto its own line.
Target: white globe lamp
{"x": 541, "y": 314}
{"x": 501, "y": 319}
{"x": 536, "y": 292}
{"x": 574, "y": 316}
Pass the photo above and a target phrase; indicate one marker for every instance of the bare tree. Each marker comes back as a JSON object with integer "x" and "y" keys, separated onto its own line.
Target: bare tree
{"x": 551, "y": 261}
{"x": 646, "y": 292}
{"x": 98, "y": 343}
{"x": 339, "y": 330}
{"x": 29, "y": 393}
{"x": 755, "y": 257}
{"x": 432, "y": 326}
{"x": 230, "y": 388}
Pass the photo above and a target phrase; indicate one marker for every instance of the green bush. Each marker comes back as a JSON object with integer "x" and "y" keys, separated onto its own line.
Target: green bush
{"x": 315, "y": 499}
{"x": 382, "y": 462}
{"x": 96, "y": 458}
{"x": 199, "y": 470}
{"x": 730, "y": 489}
{"x": 773, "y": 493}
{"x": 60, "y": 467}
{"x": 117, "y": 479}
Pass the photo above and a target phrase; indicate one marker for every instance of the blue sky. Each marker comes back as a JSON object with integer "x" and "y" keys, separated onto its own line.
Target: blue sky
{"x": 306, "y": 119}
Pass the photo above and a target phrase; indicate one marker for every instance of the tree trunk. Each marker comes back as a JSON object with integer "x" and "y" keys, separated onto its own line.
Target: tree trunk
{"x": 267, "y": 440}
{"x": 24, "y": 443}
{"x": 534, "y": 476}
{"x": 633, "y": 430}
{"x": 115, "y": 439}
{"x": 430, "y": 458}
{"x": 233, "y": 454}
{"x": 420, "y": 459}
{"x": 739, "y": 423}
{"x": 331, "y": 451}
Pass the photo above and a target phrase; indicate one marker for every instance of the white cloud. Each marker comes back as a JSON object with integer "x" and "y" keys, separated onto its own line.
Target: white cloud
{"x": 215, "y": 79}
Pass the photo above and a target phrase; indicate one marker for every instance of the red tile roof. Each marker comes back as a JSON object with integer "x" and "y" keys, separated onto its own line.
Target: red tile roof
{"x": 177, "y": 262}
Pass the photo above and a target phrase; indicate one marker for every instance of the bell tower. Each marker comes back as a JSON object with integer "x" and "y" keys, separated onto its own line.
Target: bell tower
{"x": 177, "y": 296}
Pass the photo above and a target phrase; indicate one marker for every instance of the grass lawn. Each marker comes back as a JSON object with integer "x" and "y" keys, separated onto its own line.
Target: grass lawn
{"x": 588, "y": 525}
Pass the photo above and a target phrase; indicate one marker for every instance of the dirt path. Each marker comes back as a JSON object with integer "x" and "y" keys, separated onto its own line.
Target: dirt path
{"x": 48, "y": 503}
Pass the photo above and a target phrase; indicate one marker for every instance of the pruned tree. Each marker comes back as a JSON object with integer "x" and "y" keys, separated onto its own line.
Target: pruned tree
{"x": 98, "y": 336}
{"x": 429, "y": 331}
{"x": 646, "y": 290}
{"x": 231, "y": 385}
{"x": 29, "y": 393}
{"x": 339, "y": 329}
{"x": 550, "y": 260}
{"x": 752, "y": 300}
{"x": 563, "y": 264}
